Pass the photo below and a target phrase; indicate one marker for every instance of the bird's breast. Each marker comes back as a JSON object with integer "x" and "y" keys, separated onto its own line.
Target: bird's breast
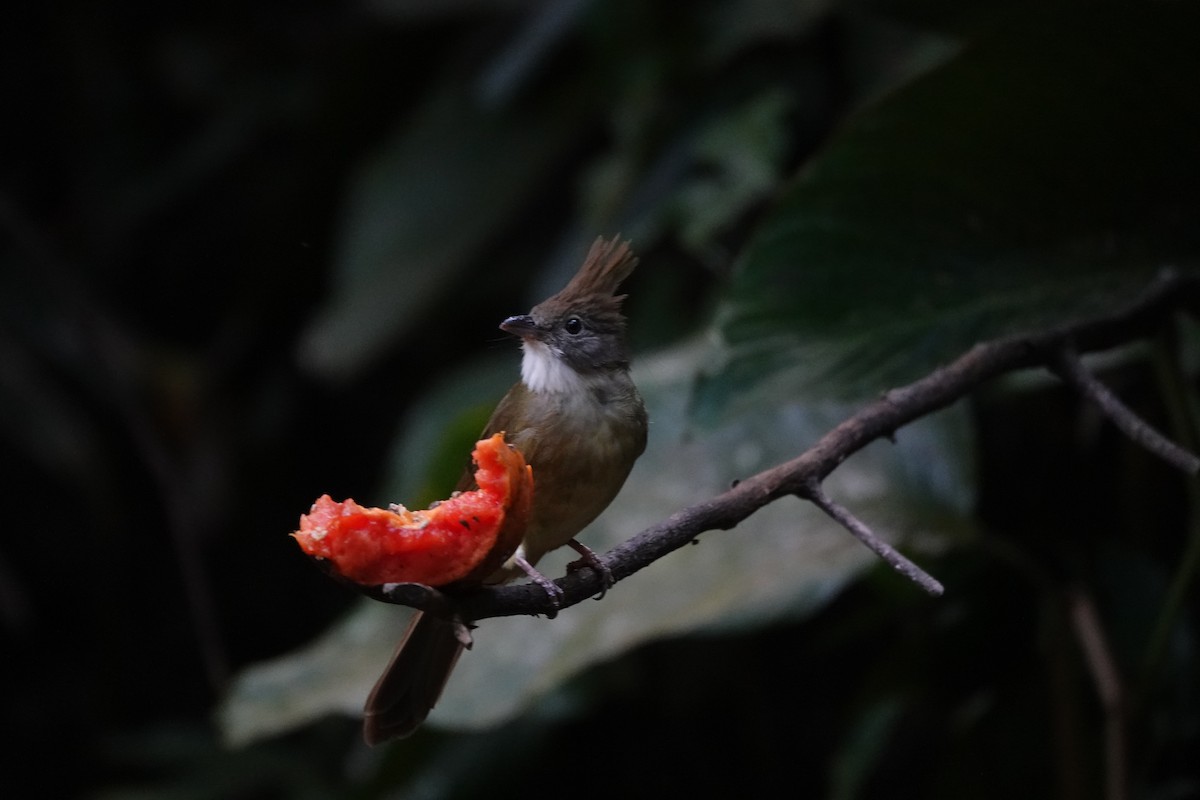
{"x": 581, "y": 452}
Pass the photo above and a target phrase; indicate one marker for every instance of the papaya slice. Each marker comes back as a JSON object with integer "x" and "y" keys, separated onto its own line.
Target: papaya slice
{"x": 462, "y": 539}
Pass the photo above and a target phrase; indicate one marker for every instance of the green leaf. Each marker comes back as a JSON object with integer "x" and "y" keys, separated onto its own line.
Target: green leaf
{"x": 420, "y": 211}
{"x": 331, "y": 675}
{"x": 867, "y": 739}
{"x": 740, "y": 155}
{"x": 1041, "y": 173}
{"x": 437, "y": 435}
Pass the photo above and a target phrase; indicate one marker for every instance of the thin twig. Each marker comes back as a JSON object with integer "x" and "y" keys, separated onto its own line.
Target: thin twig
{"x": 1068, "y": 366}
{"x": 1097, "y": 654}
{"x": 889, "y": 554}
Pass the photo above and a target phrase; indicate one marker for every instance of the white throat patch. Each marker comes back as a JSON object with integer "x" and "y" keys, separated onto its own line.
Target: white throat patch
{"x": 544, "y": 372}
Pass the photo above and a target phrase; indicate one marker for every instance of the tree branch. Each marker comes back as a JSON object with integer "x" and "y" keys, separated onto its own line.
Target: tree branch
{"x": 1169, "y": 294}
{"x": 1068, "y": 366}
{"x": 889, "y": 554}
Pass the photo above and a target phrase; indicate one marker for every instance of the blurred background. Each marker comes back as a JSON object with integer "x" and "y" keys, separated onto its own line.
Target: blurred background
{"x": 251, "y": 253}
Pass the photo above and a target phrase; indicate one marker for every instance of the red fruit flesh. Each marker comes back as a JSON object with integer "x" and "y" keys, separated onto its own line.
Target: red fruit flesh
{"x": 466, "y": 536}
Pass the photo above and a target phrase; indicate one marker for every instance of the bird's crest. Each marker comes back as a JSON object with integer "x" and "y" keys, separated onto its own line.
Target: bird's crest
{"x": 608, "y": 263}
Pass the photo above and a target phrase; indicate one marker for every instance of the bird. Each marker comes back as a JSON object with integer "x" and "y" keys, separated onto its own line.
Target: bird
{"x": 578, "y": 419}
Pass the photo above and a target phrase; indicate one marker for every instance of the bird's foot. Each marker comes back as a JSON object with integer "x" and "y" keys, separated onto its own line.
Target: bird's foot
{"x": 548, "y": 586}
{"x": 588, "y": 558}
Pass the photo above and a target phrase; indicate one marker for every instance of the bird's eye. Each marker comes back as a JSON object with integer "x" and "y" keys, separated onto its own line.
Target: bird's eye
{"x": 573, "y": 326}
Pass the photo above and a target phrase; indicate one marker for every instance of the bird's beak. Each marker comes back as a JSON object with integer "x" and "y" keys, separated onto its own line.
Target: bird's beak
{"x": 522, "y": 325}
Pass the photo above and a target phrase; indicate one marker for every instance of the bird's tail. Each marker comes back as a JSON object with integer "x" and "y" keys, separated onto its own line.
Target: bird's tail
{"x": 406, "y": 692}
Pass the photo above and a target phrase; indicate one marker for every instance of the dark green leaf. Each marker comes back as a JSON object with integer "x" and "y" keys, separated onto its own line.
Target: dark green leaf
{"x": 420, "y": 211}
{"x": 1041, "y": 173}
